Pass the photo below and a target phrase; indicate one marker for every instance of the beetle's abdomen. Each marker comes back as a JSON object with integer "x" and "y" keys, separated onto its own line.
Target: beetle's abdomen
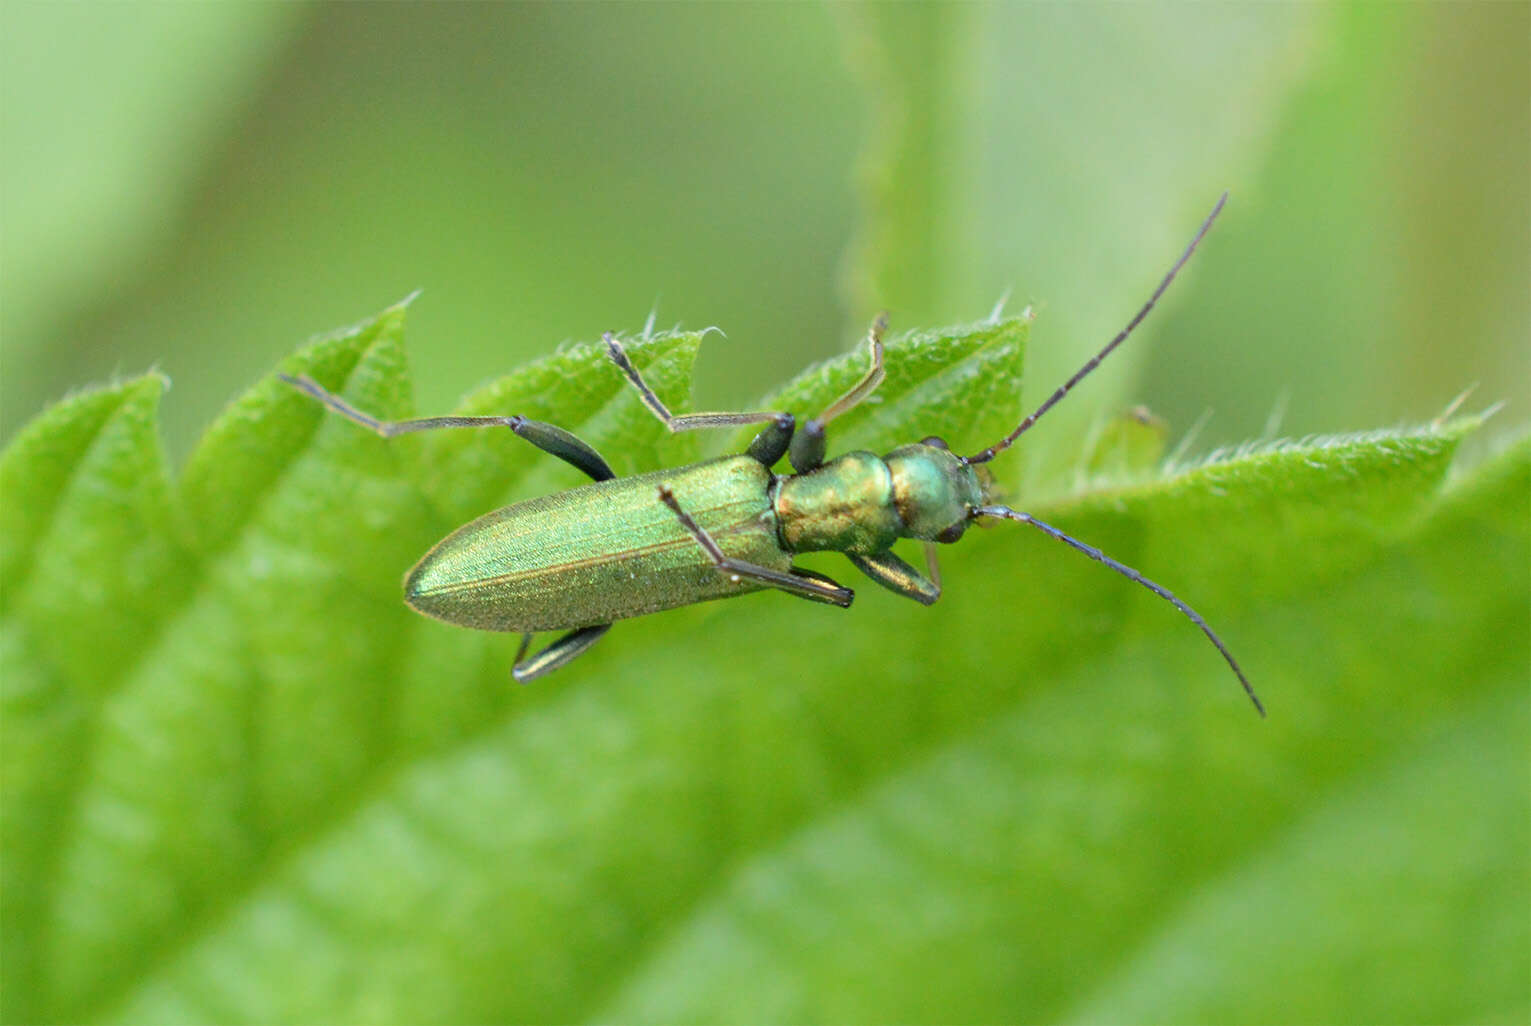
{"x": 601, "y": 552}
{"x": 844, "y": 506}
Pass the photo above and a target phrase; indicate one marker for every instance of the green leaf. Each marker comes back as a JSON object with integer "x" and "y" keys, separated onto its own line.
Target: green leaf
{"x": 242, "y": 782}
{"x": 471, "y": 472}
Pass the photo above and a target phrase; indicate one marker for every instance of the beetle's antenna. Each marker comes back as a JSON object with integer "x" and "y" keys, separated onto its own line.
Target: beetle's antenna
{"x": 1128, "y": 572}
{"x": 1009, "y": 440}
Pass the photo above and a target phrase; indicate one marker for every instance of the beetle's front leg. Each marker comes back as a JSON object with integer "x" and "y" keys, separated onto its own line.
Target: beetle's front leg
{"x": 811, "y": 443}
{"x": 898, "y": 577}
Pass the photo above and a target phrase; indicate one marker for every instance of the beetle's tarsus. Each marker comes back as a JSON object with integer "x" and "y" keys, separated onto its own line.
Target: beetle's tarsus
{"x": 869, "y": 382}
{"x": 685, "y": 422}
{"x": 550, "y": 438}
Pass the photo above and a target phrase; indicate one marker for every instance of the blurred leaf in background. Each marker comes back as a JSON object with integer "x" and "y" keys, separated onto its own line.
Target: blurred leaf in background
{"x": 243, "y": 783}
{"x": 541, "y": 172}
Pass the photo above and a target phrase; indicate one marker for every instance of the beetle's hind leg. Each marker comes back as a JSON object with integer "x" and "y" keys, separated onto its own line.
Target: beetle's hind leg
{"x": 803, "y": 583}
{"x": 553, "y": 440}
{"x": 560, "y": 653}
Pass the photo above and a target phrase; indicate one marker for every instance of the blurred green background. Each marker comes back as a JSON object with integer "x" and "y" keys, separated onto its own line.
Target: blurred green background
{"x": 200, "y": 188}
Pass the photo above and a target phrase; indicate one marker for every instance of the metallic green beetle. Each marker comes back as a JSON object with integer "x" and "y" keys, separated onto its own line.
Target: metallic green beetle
{"x": 625, "y": 547}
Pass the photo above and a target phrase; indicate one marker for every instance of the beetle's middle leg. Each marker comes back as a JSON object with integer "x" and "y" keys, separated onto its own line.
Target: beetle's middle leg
{"x": 768, "y": 447}
{"x": 560, "y": 653}
{"x": 686, "y": 421}
{"x": 553, "y": 440}
{"x": 804, "y": 583}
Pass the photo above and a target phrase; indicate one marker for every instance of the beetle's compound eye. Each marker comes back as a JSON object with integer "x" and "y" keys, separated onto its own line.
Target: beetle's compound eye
{"x": 932, "y": 490}
{"x": 952, "y": 533}
{"x": 935, "y": 442}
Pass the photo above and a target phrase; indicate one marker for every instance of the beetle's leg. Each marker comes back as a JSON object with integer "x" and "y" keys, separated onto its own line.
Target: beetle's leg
{"x": 554, "y": 441}
{"x": 897, "y": 576}
{"x": 771, "y": 444}
{"x": 768, "y": 446}
{"x": 828, "y": 582}
{"x": 809, "y": 446}
{"x": 868, "y": 384}
{"x": 685, "y": 422}
{"x": 803, "y": 583}
{"x": 560, "y": 653}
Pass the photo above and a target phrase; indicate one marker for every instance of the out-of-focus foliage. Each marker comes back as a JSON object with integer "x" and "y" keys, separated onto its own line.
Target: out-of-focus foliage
{"x": 242, "y": 783}
{"x": 547, "y": 172}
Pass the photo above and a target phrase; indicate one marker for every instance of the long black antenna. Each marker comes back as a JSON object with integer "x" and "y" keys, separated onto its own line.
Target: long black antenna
{"x": 1128, "y": 572}
{"x": 1009, "y": 440}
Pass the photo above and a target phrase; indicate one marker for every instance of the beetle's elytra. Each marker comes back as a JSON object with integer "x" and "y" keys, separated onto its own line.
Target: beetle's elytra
{"x": 624, "y": 547}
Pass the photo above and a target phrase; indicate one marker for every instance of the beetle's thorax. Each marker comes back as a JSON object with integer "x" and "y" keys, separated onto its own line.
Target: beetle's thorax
{"x": 861, "y": 503}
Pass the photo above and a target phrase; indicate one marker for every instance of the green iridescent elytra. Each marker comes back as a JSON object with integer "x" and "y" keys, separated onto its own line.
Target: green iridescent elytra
{"x": 616, "y": 552}
{"x": 582, "y": 559}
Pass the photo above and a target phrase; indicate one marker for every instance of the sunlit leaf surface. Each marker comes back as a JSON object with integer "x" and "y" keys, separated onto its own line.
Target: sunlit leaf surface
{"x": 243, "y": 783}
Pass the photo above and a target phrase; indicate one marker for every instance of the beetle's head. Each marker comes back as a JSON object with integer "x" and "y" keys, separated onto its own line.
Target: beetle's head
{"x": 934, "y": 490}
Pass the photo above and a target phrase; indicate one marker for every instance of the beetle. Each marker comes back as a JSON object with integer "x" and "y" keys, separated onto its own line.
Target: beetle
{"x": 581, "y": 559}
